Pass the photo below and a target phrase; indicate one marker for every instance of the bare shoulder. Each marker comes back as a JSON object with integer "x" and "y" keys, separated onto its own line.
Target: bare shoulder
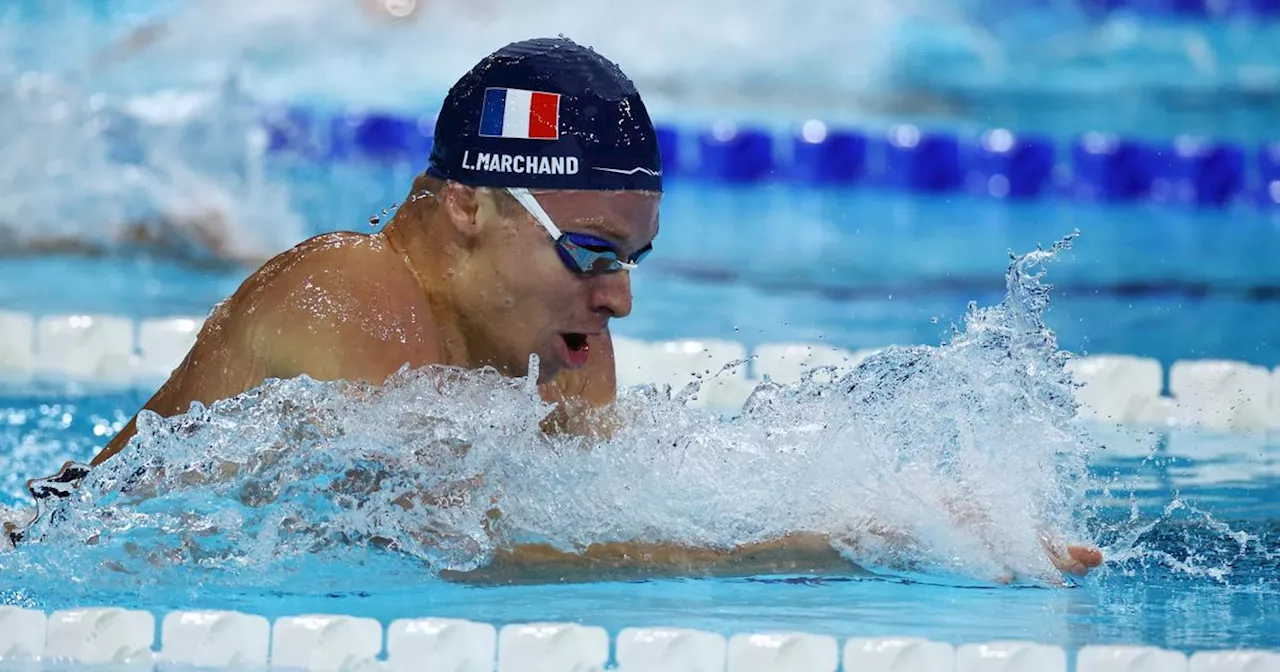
{"x": 338, "y": 305}
{"x": 331, "y": 253}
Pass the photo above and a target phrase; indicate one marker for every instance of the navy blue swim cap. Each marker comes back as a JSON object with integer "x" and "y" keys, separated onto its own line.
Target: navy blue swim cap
{"x": 546, "y": 114}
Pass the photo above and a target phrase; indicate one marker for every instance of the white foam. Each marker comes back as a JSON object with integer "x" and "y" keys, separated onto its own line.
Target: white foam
{"x": 441, "y": 645}
{"x": 17, "y": 354}
{"x": 1222, "y": 394}
{"x": 1129, "y": 659}
{"x": 85, "y": 347}
{"x": 543, "y": 647}
{"x": 1234, "y": 661}
{"x": 215, "y": 639}
{"x": 1115, "y": 388}
{"x": 325, "y": 643}
{"x": 1010, "y": 657}
{"x": 101, "y": 635}
{"x": 897, "y": 654}
{"x": 670, "y": 650}
{"x": 22, "y": 633}
{"x": 782, "y": 652}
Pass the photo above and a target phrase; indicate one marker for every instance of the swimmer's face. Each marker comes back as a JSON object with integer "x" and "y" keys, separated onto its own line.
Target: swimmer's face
{"x": 528, "y": 298}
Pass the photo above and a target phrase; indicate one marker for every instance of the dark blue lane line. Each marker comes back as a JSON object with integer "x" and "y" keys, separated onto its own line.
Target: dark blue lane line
{"x": 1266, "y": 292}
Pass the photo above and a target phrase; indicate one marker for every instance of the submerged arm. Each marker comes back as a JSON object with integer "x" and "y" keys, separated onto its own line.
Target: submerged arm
{"x": 799, "y": 553}
{"x": 796, "y": 553}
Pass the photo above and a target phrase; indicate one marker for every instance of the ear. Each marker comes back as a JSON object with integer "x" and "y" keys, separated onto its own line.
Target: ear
{"x": 461, "y": 206}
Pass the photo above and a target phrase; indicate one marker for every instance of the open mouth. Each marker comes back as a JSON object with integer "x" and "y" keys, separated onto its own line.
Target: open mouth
{"x": 576, "y": 342}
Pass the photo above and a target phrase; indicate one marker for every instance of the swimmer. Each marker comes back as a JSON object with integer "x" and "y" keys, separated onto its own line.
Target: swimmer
{"x": 198, "y": 240}
{"x": 540, "y": 197}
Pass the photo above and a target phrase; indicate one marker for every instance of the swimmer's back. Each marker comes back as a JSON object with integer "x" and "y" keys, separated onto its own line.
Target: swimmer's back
{"x": 338, "y": 306}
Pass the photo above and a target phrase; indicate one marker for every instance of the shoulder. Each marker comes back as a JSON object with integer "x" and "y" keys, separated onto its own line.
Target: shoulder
{"x": 326, "y": 256}
{"x": 335, "y": 303}
{"x": 323, "y": 275}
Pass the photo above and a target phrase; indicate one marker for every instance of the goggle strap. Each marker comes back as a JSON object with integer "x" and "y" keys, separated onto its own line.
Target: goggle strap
{"x": 526, "y": 199}
{"x": 522, "y": 195}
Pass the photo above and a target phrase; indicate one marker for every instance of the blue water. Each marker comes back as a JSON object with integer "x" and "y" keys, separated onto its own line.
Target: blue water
{"x": 1195, "y": 516}
{"x": 1225, "y": 594}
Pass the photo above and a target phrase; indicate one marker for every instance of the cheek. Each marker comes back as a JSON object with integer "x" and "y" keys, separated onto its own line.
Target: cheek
{"x": 529, "y": 283}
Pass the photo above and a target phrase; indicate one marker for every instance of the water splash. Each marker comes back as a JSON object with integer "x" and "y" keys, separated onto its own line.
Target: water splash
{"x": 179, "y": 172}
{"x": 1186, "y": 541}
{"x": 943, "y": 460}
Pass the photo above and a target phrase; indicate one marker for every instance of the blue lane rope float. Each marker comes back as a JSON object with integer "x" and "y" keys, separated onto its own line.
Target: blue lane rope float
{"x": 998, "y": 163}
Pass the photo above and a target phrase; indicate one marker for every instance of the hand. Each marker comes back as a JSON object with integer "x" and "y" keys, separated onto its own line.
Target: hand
{"x": 1070, "y": 558}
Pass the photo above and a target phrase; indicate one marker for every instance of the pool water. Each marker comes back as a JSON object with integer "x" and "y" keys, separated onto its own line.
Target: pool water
{"x": 1189, "y": 519}
{"x": 1204, "y": 577}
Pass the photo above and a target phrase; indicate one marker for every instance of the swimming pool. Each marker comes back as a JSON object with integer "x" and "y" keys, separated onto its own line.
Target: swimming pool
{"x": 1200, "y": 577}
{"x": 1188, "y": 515}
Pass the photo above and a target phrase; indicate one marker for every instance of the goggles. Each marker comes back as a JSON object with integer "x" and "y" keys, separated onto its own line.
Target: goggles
{"x": 580, "y": 252}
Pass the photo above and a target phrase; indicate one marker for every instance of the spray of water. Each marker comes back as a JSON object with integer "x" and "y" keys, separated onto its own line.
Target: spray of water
{"x": 944, "y": 460}
{"x": 95, "y": 163}
{"x": 92, "y": 172}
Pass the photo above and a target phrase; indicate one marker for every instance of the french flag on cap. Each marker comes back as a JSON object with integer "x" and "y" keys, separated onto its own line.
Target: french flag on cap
{"x": 516, "y": 113}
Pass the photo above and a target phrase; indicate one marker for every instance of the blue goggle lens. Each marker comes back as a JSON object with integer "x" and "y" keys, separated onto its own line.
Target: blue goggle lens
{"x": 587, "y": 254}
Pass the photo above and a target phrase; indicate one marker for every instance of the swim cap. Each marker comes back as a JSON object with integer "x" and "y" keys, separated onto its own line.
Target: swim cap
{"x": 546, "y": 113}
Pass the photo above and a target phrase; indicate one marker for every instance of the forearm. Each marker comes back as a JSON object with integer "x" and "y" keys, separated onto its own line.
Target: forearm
{"x": 797, "y": 553}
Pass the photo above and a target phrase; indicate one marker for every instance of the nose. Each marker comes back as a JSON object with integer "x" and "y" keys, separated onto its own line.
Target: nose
{"x": 611, "y": 294}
